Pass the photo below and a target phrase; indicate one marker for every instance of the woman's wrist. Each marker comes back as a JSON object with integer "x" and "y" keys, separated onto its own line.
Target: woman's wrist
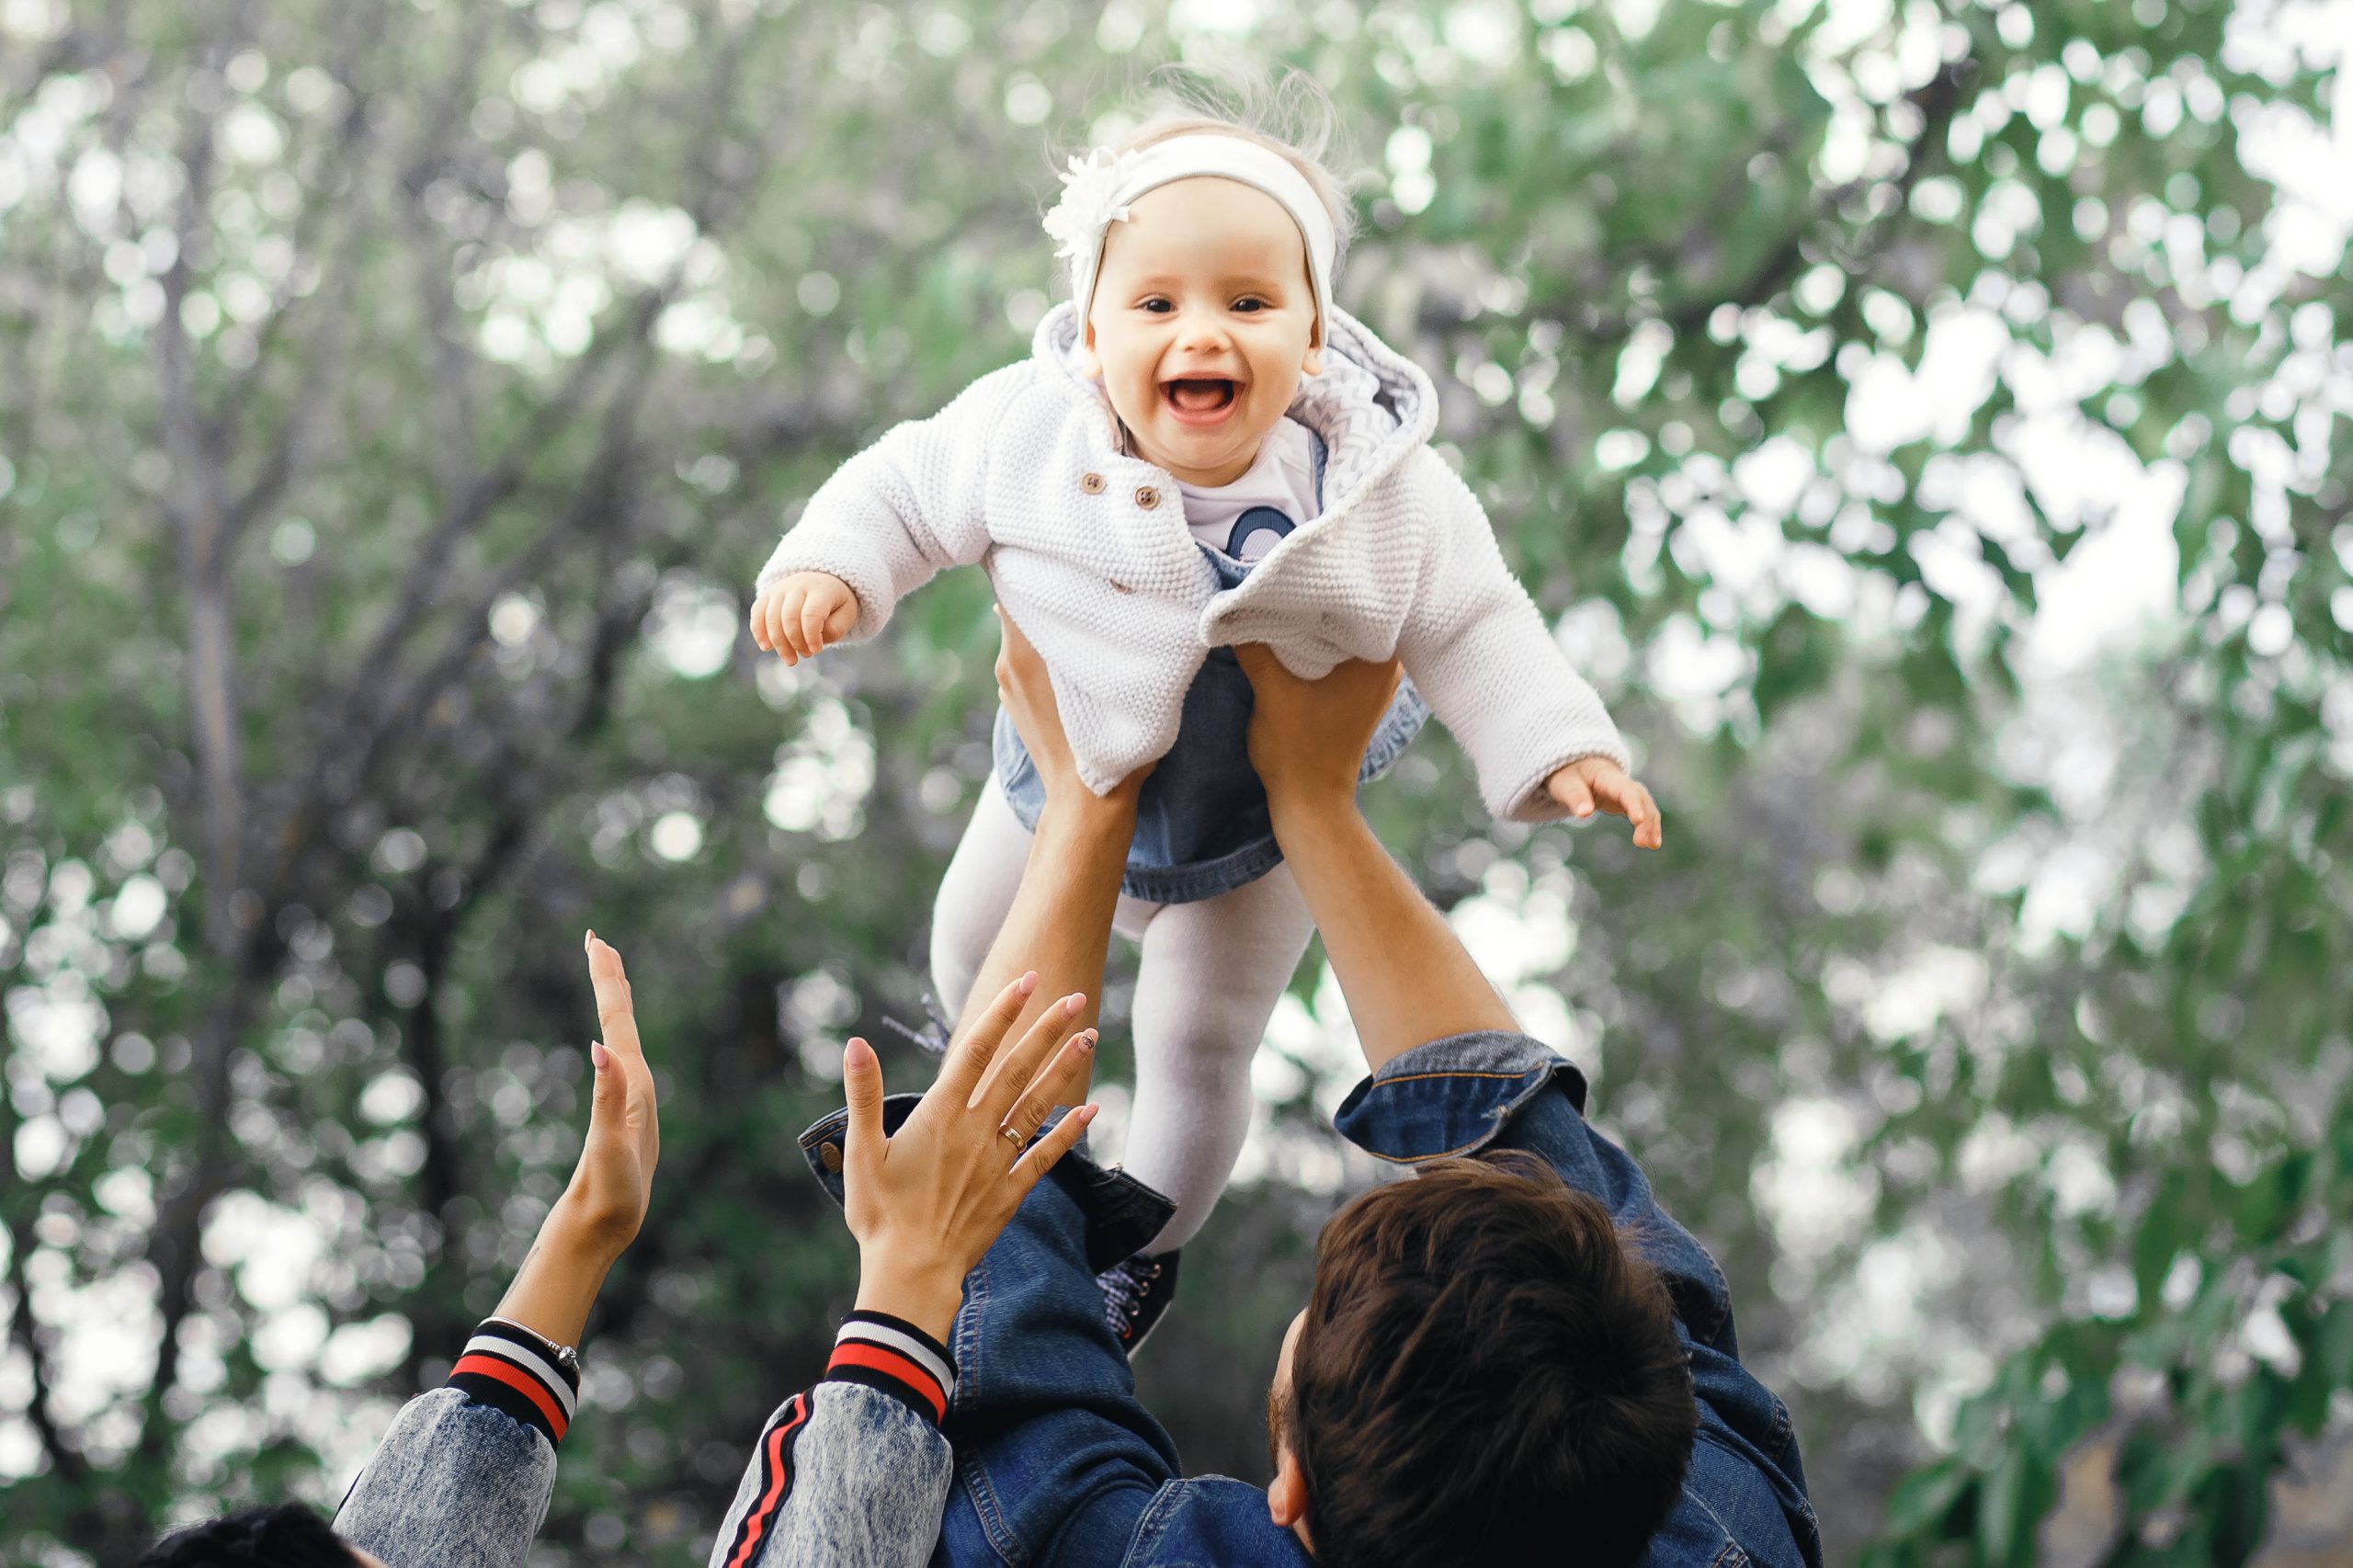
{"x": 552, "y": 1292}
{"x": 926, "y": 1293}
{"x": 571, "y": 1229}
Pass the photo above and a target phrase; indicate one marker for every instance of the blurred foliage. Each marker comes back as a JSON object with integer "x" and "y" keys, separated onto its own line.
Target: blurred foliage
{"x": 395, "y": 399}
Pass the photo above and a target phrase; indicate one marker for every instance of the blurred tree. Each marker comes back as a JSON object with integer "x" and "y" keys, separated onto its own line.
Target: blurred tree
{"x": 395, "y": 399}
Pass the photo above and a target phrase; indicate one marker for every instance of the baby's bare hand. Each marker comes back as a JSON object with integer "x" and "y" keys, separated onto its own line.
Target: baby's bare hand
{"x": 797, "y": 617}
{"x": 1593, "y": 781}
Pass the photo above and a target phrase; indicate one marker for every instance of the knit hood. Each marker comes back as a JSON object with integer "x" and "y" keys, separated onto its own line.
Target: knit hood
{"x": 1372, "y": 406}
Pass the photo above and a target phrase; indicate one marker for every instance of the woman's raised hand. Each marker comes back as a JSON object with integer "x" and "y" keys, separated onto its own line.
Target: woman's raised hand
{"x": 614, "y": 1180}
{"x": 598, "y": 1214}
{"x": 926, "y": 1202}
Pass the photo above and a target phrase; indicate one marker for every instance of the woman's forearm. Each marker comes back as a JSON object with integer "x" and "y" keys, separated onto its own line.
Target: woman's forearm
{"x": 560, "y": 1278}
{"x": 1407, "y": 976}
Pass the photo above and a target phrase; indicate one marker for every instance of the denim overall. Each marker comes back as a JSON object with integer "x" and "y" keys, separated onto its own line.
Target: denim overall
{"x": 1202, "y": 827}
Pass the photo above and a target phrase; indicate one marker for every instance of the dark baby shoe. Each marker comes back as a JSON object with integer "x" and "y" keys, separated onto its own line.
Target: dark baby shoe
{"x": 1136, "y": 1294}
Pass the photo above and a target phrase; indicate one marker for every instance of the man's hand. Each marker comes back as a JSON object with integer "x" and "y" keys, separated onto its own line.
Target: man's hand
{"x": 928, "y": 1202}
{"x": 1028, "y": 693}
{"x": 1308, "y": 737}
{"x": 1593, "y": 781}
{"x": 796, "y": 616}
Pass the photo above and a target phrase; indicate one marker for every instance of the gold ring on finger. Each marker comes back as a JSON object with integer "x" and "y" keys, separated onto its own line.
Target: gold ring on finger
{"x": 1013, "y": 1135}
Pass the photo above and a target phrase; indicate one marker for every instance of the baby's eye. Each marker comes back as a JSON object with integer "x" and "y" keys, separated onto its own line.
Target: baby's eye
{"x": 1249, "y": 303}
{"x": 1158, "y": 306}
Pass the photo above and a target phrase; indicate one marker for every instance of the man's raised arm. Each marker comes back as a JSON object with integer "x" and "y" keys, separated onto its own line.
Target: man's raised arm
{"x": 1406, "y": 974}
{"x": 1059, "y": 924}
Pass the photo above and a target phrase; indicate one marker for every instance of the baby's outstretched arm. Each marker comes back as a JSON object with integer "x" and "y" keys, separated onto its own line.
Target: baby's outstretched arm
{"x": 797, "y": 616}
{"x": 910, "y": 504}
{"x": 1479, "y": 653}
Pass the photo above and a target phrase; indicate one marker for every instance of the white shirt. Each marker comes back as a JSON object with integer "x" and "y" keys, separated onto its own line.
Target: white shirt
{"x": 1276, "y": 494}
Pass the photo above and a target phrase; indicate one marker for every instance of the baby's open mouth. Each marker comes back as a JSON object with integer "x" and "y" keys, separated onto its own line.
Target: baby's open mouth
{"x": 1197, "y": 394}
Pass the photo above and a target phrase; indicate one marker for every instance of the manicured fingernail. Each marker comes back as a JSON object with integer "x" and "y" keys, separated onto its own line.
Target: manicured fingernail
{"x": 1086, "y": 1042}
{"x": 1073, "y": 1003}
{"x": 599, "y": 1054}
{"x": 1026, "y": 984}
{"x": 857, "y": 1056}
{"x": 1086, "y": 1114}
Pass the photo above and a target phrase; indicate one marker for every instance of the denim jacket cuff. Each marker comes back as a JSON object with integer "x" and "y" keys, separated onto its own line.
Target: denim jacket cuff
{"x": 1121, "y": 1212}
{"x": 1453, "y": 1096}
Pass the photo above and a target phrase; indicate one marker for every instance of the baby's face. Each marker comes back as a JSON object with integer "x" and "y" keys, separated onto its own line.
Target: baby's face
{"x": 1203, "y": 323}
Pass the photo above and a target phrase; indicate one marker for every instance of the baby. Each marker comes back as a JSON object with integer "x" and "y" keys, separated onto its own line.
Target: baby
{"x": 1201, "y": 450}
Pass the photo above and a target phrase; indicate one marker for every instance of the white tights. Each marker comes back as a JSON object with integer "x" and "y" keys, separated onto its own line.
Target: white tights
{"x": 1208, "y": 980}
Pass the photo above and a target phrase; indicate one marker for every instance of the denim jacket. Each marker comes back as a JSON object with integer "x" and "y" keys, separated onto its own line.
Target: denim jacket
{"x": 849, "y": 1473}
{"x": 1057, "y": 1462}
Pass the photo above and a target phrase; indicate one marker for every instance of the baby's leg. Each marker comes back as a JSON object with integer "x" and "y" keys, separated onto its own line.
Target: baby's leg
{"x": 974, "y": 896}
{"x": 1208, "y": 979}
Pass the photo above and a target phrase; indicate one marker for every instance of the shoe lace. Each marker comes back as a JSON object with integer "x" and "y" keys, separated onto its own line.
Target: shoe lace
{"x": 1124, "y": 1289}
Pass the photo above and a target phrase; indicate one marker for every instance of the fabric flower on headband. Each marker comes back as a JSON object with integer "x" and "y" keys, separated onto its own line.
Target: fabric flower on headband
{"x": 1088, "y": 207}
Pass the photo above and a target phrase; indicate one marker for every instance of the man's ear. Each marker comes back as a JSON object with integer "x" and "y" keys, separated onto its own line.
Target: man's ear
{"x": 1287, "y": 1497}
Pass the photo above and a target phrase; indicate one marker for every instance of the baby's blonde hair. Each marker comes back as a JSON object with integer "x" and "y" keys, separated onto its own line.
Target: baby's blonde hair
{"x": 1288, "y": 114}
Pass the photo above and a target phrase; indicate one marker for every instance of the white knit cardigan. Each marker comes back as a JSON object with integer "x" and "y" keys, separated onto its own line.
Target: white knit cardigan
{"x": 1090, "y": 556}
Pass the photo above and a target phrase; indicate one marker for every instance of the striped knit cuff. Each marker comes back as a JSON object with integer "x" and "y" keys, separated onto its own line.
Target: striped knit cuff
{"x": 896, "y": 1358}
{"x": 511, "y": 1370}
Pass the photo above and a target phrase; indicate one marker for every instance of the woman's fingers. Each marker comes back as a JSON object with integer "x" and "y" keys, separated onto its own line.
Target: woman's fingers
{"x": 1042, "y": 1155}
{"x": 1015, "y": 1068}
{"x": 862, "y": 1092}
{"x": 969, "y": 1057}
{"x": 1063, "y": 1082}
{"x": 616, "y": 1016}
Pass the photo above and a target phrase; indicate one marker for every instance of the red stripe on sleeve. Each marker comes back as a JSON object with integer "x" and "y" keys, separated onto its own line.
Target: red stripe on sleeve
{"x": 755, "y": 1523}
{"x": 514, "y": 1377}
{"x": 857, "y": 1353}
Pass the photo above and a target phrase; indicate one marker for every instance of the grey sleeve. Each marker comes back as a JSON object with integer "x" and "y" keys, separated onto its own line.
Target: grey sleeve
{"x": 454, "y": 1484}
{"x": 844, "y": 1476}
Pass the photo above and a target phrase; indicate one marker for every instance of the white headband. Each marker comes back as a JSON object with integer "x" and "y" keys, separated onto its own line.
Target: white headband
{"x": 1098, "y": 188}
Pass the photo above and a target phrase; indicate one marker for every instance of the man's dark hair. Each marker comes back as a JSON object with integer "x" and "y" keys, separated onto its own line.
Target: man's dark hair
{"x": 287, "y": 1535}
{"x": 1486, "y": 1374}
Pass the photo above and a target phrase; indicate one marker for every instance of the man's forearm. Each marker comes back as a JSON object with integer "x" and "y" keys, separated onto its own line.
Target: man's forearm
{"x": 1406, "y": 975}
{"x": 1059, "y": 924}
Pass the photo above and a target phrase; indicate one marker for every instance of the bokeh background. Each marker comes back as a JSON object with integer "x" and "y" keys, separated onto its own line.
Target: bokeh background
{"x": 1920, "y": 417}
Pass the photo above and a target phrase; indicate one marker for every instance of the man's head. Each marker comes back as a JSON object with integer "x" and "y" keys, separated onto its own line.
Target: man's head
{"x": 1483, "y": 1372}
{"x": 286, "y": 1536}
